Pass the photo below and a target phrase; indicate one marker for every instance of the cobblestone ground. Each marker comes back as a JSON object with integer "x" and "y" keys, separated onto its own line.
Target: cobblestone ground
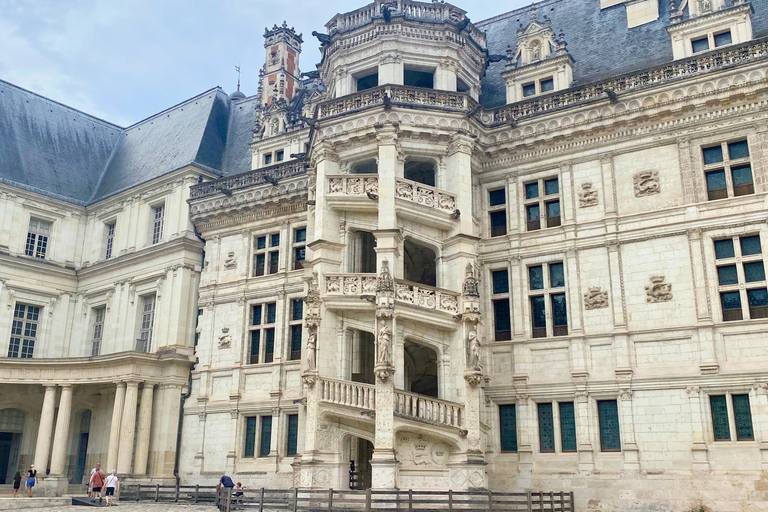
{"x": 131, "y": 507}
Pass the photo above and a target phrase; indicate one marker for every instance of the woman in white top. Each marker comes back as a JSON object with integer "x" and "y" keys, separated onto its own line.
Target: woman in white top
{"x": 113, "y": 486}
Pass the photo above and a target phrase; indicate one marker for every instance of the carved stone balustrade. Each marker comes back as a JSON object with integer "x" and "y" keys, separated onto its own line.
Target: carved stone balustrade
{"x": 399, "y": 95}
{"x": 428, "y": 409}
{"x": 425, "y": 195}
{"x": 263, "y": 176}
{"x": 426, "y": 296}
{"x": 350, "y": 284}
{"x": 353, "y": 184}
{"x": 348, "y": 393}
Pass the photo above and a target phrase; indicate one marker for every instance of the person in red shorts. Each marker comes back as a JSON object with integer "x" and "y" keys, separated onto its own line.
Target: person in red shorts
{"x": 97, "y": 482}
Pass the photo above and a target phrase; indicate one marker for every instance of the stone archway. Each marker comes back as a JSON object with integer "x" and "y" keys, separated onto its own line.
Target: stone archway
{"x": 11, "y": 429}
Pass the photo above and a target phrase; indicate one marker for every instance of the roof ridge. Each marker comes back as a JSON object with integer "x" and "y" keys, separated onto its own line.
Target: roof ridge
{"x": 188, "y": 100}
{"x": 62, "y": 105}
{"x": 513, "y": 12}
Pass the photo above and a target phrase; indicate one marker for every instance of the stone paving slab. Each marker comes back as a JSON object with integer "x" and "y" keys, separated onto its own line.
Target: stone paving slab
{"x": 131, "y": 506}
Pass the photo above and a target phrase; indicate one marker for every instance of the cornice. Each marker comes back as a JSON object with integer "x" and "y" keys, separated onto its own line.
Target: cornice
{"x": 251, "y": 214}
{"x": 707, "y": 19}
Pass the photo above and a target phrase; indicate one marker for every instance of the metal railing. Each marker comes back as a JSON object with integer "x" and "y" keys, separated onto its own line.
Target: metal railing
{"x": 432, "y": 410}
{"x": 260, "y": 176}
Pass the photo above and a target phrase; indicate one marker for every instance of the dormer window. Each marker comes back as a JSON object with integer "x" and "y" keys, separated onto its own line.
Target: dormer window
{"x": 709, "y": 28}
{"x": 700, "y": 45}
{"x": 548, "y": 84}
{"x": 529, "y": 90}
{"x": 723, "y": 38}
{"x": 538, "y": 87}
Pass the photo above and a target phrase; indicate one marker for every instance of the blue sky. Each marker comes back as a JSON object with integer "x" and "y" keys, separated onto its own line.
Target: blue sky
{"x": 124, "y": 60}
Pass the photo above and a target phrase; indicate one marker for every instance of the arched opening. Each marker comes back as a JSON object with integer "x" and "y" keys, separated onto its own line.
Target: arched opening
{"x": 82, "y": 447}
{"x": 11, "y": 430}
{"x": 421, "y": 369}
{"x": 363, "y": 252}
{"x": 360, "y": 454}
{"x": 421, "y": 171}
{"x": 363, "y": 357}
{"x": 366, "y": 167}
{"x": 420, "y": 263}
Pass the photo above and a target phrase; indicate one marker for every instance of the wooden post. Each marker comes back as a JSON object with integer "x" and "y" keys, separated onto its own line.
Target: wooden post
{"x": 261, "y": 500}
{"x": 529, "y": 506}
{"x": 176, "y": 496}
{"x": 295, "y": 499}
{"x": 330, "y": 500}
{"x": 228, "y": 508}
{"x": 410, "y": 500}
{"x": 573, "y": 506}
{"x": 197, "y": 490}
{"x": 490, "y": 500}
{"x": 450, "y": 499}
{"x": 157, "y": 493}
{"x": 367, "y": 500}
{"x": 541, "y": 501}
{"x": 562, "y": 501}
{"x": 552, "y": 501}
{"x": 138, "y": 492}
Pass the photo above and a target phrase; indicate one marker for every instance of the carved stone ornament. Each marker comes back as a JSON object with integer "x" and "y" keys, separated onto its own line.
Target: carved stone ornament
{"x": 596, "y": 298}
{"x": 647, "y": 183}
{"x": 231, "y": 262}
{"x": 311, "y": 345}
{"x": 225, "y": 339}
{"x": 473, "y": 377}
{"x": 474, "y": 361}
{"x": 385, "y": 346}
{"x": 471, "y": 286}
{"x": 587, "y": 195}
{"x": 658, "y": 290}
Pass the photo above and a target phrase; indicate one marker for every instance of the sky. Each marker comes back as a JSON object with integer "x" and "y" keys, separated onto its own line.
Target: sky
{"x": 125, "y": 60}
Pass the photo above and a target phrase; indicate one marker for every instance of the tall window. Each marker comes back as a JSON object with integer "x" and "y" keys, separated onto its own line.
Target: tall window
{"x": 262, "y": 333}
{"x": 546, "y": 289}
{"x": 542, "y": 203}
{"x": 98, "y": 330}
{"x": 266, "y": 259}
{"x": 279, "y": 155}
{"x": 23, "y": 331}
{"x": 741, "y": 278}
{"x": 297, "y": 315}
{"x": 293, "y": 435}
{"x": 727, "y": 170}
{"x": 144, "y": 342}
{"x": 508, "y": 428}
{"x": 608, "y": 414}
{"x": 500, "y": 299}
{"x": 265, "y": 446}
{"x": 250, "y": 436}
{"x": 554, "y": 414}
{"x": 497, "y": 202}
{"x": 739, "y": 411}
{"x": 299, "y": 248}
{"x": 268, "y": 159}
{"x": 110, "y": 240}
{"x": 37, "y": 238}
{"x": 158, "y": 213}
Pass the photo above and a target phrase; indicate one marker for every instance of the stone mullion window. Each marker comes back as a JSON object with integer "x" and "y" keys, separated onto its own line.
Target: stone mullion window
{"x": 500, "y": 299}
{"x": 508, "y": 428}
{"x": 292, "y": 440}
{"x": 294, "y": 329}
{"x": 24, "y": 331}
{"x": 728, "y": 170}
{"x": 557, "y": 427}
{"x": 110, "y": 240}
{"x": 731, "y": 417}
{"x": 158, "y": 219}
{"x": 265, "y": 436}
{"x": 542, "y": 203}
{"x": 266, "y": 254}
{"x": 741, "y": 278}
{"x": 37, "y": 238}
{"x": 98, "y": 330}
{"x": 547, "y": 300}
{"x": 497, "y": 208}
{"x": 144, "y": 343}
{"x": 298, "y": 248}
{"x": 610, "y": 431}
{"x": 262, "y": 333}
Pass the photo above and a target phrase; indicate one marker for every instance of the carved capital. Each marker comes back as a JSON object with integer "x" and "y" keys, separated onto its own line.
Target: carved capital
{"x": 692, "y": 391}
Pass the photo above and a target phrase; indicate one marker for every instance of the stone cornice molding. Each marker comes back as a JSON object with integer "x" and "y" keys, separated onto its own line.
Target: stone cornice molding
{"x": 239, "y": 217}
{"x": 706, "y": 20}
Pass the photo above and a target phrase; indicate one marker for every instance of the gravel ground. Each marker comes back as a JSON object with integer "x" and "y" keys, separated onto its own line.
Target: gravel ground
{"x": 132, "y": 507}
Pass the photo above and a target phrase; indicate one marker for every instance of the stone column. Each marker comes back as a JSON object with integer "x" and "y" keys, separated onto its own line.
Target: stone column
{"x": 114, "y": 429}
{"x": 43, "y": 447}
{"x": 145, "y": 423}
{"x": 127, "y": 429}
{"x": 583, "y": 437}
{"x": 699, "y": 450}
{"x": 164, "y": 431}
{"x": 61, "y": 437}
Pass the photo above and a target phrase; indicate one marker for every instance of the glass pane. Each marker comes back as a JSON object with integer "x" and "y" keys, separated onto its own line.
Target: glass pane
{"x": 508, "y": 428}
{"x": 724, "y": 249}
{"x": 720, "y": 418}
{"x": 293, "y": 434}
{"x": 296, "y": 340}
{"x": 749, "y": 245}
{"x": 547, "y": 85}
{"x": 743, "y": 418}
{"x": 731, "y": 300}
{"x": 261, "y": 242}
{"x": 713, "y": 155}
{"x": 567, "y": 427}
{"x": 500, "y": 281}
{"x": 758, "y": 297}
{"x": 536, "y": 278}
{"x": 533, "y": 212}
{"x": 499, "y": 223}
{"x": 250, "y": 436}
{"x": 754, "y": 271}
{"x": 269, "y": 345}
{"x": 723, "y": 38}
{"x": 274, "y": 240}
{"x": 727, "y": 275}
{"x": 297, "y": 312}
{"x": 556, "y": 275}
{"x": 271, "y": 313}
{"x": 256, "y": 315}
{"x": 255, "y": 341}
{"x": 546, "y": 428}
{"x": 716, "y": 180}
{"x": 553, "y": 209}
{"x": 700, "y": 45}
{"x": 532, "y": 190}
{"x": 529, "y": 90}
{"x": 559, "y": 313}
{"x": 266, "y": 436}
{"x": 497, "y": 197}
{"x": 551, "y": 187}
{"x": 610, "y": 438}
{"x": 738, "y": 149}
{"x": 538, "y": 313}
{"x": 742, "y": 175}
{"x": 502, "y": 327}
{"x": 301, "y": 235}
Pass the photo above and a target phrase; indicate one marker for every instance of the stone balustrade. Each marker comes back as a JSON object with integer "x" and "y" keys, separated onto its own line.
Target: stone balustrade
{"x": 353, "y": 184}
{"x": 426, "y": 296}
{"x": 425, "y": 195}
{"x": 348, "y": 393}
{"x": 260, "y": 176}
{"x": 424, "y": 408}
{"x": 401, "y": 95}
{"x": 350, "y": 284}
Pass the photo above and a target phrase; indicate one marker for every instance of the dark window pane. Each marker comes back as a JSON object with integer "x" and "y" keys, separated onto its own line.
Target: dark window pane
{"x": 250, "y": 436}
{"x": 271, "y": 313}
{"x": 723, "y": 38}
{"x": 256, "y": 315}
{"x": 261, "y": 242}
{"x": 532, "y": 190}
{"x": 418, "y": 78}
{"x": 727, "y": 275}
{"x": 559, "y": 315}
{"x": 508, "y": 428}
{"x": 274, "y": 258}
{"x": 266, "y": 436}
{"x": 500, "y": 281}
{"x": 724, "y": 249}
{"x": 269, "y": 348}
{"x": 533, "y": 212}
{"x": 499, "y": 223}
{"x": 749, "y": 245}
{"x": 538, "y": 317}
{"x": 742, "y": 180}
{"x": 610, "y": 438}
{"x": 567, "y": 427}
{"x": 502, "y": 324}
{"x": 743, "y": 418}
{"x": 731, "y": 306}
{"x": 300, "y": 235}
{"x": 293, "y": 434}
{"x": 267, "y": 159}
{"x": 754, "y": 271}
{"x": 297, "y": 309}
{"x": 720, "y": 418}
{"x": 529, "y": 90}
{"x": 274, "y": 240}
{"x": 295, "y": 342}
{"x": 299, "y": 256}
{"x": 536, "y": 277}
{"x": 551, "y": 187}
{"x": 255, "y": 339}
{"x": 700, "y": 45}
{"x": 367, "y": 82}
{"x": 553, "y": 214}
{"x": 547, "y": 85}
{"x": 546, "y": 428}
{"x": 497, "y": 197}
{"x": 738, "y": 149}
{"x": 259, "y": 270}
{"x": 279, "y": 155}
{"x": 758, "y": 303}
{"x": 556, "y": 275}
{"x": 713, "y": 155}
{"x": 716, "y": 187}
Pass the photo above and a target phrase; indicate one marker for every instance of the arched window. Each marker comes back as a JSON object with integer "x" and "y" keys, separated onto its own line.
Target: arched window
{"x": 421, "y": 171}
{"x": 420, "y": 263}
{"x": 421, "y": 370}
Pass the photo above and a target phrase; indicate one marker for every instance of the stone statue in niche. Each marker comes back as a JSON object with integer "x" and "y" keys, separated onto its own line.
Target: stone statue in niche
{"x": 587, "y": 195}
{"x": 647, "y": 183}
{"x": 596, "y": 298}
{"x": 311, "y": 344}
{"x": 231, "y": 262}
{"x": 473, "y": 346}
{"x": 658, "y": 290}
{"x": 225, "y": 339}
{"x": 385, "y": 346}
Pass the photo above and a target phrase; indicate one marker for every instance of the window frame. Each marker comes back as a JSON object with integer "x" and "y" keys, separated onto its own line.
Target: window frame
{"x": 21, "y": 327}
{"x": 289, "y": 450}
{"x": 296, "y": 246}
{"x": 37, "y": 243}
{"x": 110, "y": 228}
{"x": 542, "y": 200}
{"x": 555, "y": 406}
{"x": 97, "y": 329}
{"x": 538, "y": 89}
{"x": 157, "y": 224}
{"x": 600, "y": 424}
{"x": 263, "y": 328}
{"x": 266, "y": 252}
{"x": 497, "y": 208}
{"x": 547, "y": 292}
{"x": 741, "y": 286}
{"x": 515, "y": 440}
{"x": 294, "y": 324}
{"x": 146, "y": 327}
{"x": 497, "y": 298}
{"x": 731, "y": 419}
{"x": 726, "y": 165}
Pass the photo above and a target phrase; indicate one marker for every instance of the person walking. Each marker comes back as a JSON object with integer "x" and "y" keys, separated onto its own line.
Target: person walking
{"x": 113, "y": 486}
{"x": 97, "y": 481}
{"x": 16, "y": 484}
{"x": 90, "y": 490}
{"x": 31, "y": 479}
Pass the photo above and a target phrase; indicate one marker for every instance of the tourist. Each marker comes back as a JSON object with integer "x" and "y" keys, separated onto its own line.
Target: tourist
{"x": 31, "y": 479}
{"x": 113, "y": 485}
{"x": 90, "y": 490}
{"x": 16, "y": 484}
{"x": 97, "y": 481}
{"x": 238, "y": 490}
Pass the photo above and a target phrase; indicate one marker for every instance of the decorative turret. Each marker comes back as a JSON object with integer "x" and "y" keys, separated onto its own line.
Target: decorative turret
{"x": 281, "y": 74}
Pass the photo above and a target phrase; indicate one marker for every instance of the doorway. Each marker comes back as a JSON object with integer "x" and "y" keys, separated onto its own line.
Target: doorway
{"x": 421, "y": 370}
{"x": 360, "y": 454}
{"x": 82, "y": 447}
{"x": 11, "y": 430}
{"x": 363, "y": 357}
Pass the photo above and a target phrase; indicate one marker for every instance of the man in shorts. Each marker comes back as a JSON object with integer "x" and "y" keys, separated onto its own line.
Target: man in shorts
{"x": 97, "y": 481}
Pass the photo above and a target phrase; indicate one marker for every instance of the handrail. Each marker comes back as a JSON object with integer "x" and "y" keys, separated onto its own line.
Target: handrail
{"x": 427, "y": 296}
{"x": 425, "y": 195}
{"x": 260, "y": 176}
{"x": 348, "y": 393}
{"x": 434, "y": 410}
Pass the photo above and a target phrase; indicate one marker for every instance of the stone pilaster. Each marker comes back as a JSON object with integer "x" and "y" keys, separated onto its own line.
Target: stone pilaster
{"x": 628, "y": 444}
{"x": 699, "y": 450}
{"x": 61, "y": 436}
{"x": 127, "y": 429}
{"x": 145, "y": 424}
{"x": 43, "y": 447}
{"x": 114, "y": 428}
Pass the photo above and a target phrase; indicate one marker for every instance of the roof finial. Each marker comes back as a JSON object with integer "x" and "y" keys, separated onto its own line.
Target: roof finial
{"x": 533, "y": 12}
{"x": 237, "y": 68}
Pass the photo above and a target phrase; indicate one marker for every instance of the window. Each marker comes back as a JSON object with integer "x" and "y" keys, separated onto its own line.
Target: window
{"x": 367, "y": 167}
{"x": 299, "y": 248}
{"x": 727, "y": 170}
{"x": 546, "y": 428}
{"x": 567, "y": 426}
{"x": 368, "y": 82}
{"x": 23, "y": 331}
{"x": 742, "y": 417}
{"x": 420, "y": 171}
{"x": 144, "y": 342}
{"x": 529, "y": 90}
{"x": 266, "y": 436}
{"x": 266, "y": 259}
{"x": 293, "y": 434}
{"x": 279, "y": 155}
{"x": 158, "y": 212}
{"x": 262, "y": 328}
{"x": 546, "y": 290}
{"x": 548, "y": 423}
{"x": 542, "y": 199}
{"x": 250, "y": 436}
{"x": 741, "y": 278}
{"x": 608, "y": 414}
{"x": 415, "y": 78}
{"x": 501, "y": 317}
{"x": 497, "y": 202}
{"x": 268, "y": 159}
{"x": 297, "y": 315}
{"x": 37, "y": 238}
{"x": 539, "y": 86}
{"x": 508, "y": 428}
{"x": 723, "y": 38}
{"x": 700, "y": 44}
{"x": 548, "y": 84}
{"x": 110, "y": 241}
{"x": 98, "y": 330}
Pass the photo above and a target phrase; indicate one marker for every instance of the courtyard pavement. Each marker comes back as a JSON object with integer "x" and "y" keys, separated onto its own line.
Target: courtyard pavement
{"x": 131, "y": 506}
